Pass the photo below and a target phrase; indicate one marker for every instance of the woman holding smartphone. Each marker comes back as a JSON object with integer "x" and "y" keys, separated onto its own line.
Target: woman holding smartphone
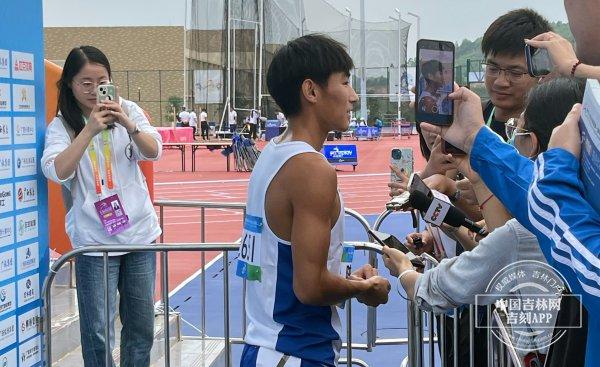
{"x": 92, "y": 149}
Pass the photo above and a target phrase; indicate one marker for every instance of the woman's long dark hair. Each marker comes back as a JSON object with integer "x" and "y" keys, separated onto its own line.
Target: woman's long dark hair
{"x": 67, "y": 104}
{"x": 548, "y": 104}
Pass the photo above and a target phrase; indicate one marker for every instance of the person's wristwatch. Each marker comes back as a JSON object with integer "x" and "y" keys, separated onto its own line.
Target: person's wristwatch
{"x": 136, "y": 130}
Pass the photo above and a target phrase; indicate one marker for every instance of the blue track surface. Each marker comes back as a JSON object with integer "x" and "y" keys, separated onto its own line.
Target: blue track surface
{"x": 391, "y": 317}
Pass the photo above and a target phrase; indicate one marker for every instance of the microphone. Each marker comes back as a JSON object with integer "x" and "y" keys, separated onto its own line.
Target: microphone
{"x": 453, "y": 216}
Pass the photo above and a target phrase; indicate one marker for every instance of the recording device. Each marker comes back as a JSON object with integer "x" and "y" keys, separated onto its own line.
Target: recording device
{"x": 438, "y": 211}
{"x": 386, "y": 239}
{"x": 539, "y": 62}
{"x": 107, "y": 92}
{"x": 402, "y": 159}
{"x": 435, "y": 81}
{"x": 448, "y": 148}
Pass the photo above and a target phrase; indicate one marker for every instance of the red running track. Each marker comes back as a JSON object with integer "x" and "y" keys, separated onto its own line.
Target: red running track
{"x": 365, "y": 191}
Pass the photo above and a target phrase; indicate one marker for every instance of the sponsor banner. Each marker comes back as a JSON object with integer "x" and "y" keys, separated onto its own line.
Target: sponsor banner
{"x": 9, "y": 358}
{"x": 23, "y": 98}
{"x": 29, "y": 289}
{"x": 6, "y": 164}
{"x": 28, "y": 324}
{"x": 4, "y": 69}
{"x": 8, "y": 333}
{"x": 341, "y": 154}
{"x": 4, "y": 97}
{"x": 7, "y": 231}
{"x": 25, "y": 162}
{"x": 30, "y": 352}
{"x": 27, "y": 258}
{"x": 24, "y": 130}
{"x": 6, "y": 198}
{"x": 7, "y": 265}
{"x": 27, "y": 226}
{"x": 5, "y": 133}
{"x": 25, "y": 194}
{"x": 7, "y": 298}
{"x": 22, "y": 65}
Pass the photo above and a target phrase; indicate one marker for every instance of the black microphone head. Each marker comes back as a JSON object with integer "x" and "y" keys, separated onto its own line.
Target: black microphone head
{"x": 419, "y": 201}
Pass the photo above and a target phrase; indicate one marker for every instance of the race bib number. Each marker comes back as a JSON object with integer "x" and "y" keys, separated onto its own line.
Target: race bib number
{"x": 248, "y": 266}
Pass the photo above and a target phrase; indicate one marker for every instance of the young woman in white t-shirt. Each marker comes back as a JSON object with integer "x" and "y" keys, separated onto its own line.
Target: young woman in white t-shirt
{"x": 93, "y": 149}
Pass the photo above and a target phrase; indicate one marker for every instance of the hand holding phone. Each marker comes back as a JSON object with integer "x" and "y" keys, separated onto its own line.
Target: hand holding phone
{"x": 386, "y": 239}
{"x": 402, "y": 159}
{"x": 107, "y": 92}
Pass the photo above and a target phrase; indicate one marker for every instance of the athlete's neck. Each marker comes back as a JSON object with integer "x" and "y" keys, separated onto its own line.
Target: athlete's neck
{"x": 305, "y": 127}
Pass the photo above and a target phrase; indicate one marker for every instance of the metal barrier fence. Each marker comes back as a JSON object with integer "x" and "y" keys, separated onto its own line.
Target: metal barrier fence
{"x": 498, "y": 354}
{"x": 415, "y": 340}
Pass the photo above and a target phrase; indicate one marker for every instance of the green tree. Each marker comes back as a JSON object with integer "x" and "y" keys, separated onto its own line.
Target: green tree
{"x": 174, "y": 104}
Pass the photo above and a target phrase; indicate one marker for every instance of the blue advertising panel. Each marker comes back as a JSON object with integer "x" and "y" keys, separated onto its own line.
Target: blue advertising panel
{"x": 23, "y": 188}
{"x": 341, "y": 154}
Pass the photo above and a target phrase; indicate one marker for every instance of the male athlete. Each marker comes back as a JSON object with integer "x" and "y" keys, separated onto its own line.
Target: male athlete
{"x": 293, "y": 230}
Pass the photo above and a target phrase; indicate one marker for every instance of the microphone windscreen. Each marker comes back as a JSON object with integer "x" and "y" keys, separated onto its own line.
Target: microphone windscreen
{"x": 419, "y": 201}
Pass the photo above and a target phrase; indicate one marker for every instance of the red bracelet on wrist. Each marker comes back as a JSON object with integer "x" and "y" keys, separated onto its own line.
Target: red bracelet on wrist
{"x": 485, "y": 201}
{"x": 575, "y": 67}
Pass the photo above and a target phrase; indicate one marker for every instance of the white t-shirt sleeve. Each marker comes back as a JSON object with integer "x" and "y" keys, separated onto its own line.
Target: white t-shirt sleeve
{"x": 57, "y": 140}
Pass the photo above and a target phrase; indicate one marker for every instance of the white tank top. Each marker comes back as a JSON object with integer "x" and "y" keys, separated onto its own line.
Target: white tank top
{"x": 276, "y": 318}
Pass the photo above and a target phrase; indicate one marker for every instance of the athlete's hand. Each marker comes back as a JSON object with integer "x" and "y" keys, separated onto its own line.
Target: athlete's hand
{"x": 377, "y": 290}
{"x": 366, "y": 272}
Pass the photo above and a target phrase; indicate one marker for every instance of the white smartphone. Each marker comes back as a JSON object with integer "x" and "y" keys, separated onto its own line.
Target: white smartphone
{"x": 107, "y": 92}
{"x": 402, "y": 159}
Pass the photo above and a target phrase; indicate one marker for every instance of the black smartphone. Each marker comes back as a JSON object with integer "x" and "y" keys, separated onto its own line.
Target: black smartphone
{"x": 386, "y": 239}
{"x": 435, "y": 81}
{"x": 448, "y": 148}
{"x": 538, "y": 61}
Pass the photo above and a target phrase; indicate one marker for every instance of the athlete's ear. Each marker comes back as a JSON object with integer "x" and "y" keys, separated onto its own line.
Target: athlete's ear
{"x": 309, "y": 90}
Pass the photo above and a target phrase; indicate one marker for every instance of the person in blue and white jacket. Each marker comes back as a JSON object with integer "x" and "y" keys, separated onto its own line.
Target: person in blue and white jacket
{"x": 545, "y": 196}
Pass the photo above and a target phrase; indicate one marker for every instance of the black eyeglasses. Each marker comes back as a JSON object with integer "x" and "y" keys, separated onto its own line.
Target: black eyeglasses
{"x": 514, "y": 75}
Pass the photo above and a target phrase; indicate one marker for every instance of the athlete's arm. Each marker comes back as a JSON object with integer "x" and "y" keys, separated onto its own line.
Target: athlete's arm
{"x": 312, "y": 191}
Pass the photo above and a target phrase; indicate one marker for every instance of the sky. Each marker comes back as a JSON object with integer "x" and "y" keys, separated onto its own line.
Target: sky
{"x": 440, "y": 19}
{"x": 450, "y": 20}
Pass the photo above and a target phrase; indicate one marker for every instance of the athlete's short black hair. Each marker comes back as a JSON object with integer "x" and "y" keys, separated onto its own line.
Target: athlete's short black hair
{"x": 506, "y": 35}
{"x": 314, "y": 57}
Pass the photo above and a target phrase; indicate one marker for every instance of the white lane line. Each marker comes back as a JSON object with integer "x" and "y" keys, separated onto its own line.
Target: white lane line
{"x": 195, "y": 275}
{"x": 247, "y": 179}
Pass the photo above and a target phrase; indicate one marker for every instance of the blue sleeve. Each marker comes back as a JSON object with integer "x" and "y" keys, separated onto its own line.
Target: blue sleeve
{"x": 505, "y": 172}
{"x": 567, "y": 227}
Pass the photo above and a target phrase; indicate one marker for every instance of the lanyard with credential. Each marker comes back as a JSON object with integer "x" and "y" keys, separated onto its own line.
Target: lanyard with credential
{"x": 107, "y": 163}
{"x": 491, "y": 117}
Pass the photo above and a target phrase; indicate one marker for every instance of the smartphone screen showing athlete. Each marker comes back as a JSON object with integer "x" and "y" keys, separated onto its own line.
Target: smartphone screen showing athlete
{"x": 435, "y": 81}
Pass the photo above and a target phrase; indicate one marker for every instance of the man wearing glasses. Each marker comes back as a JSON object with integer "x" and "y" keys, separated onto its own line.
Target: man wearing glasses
{"x": 506, "y": 78}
